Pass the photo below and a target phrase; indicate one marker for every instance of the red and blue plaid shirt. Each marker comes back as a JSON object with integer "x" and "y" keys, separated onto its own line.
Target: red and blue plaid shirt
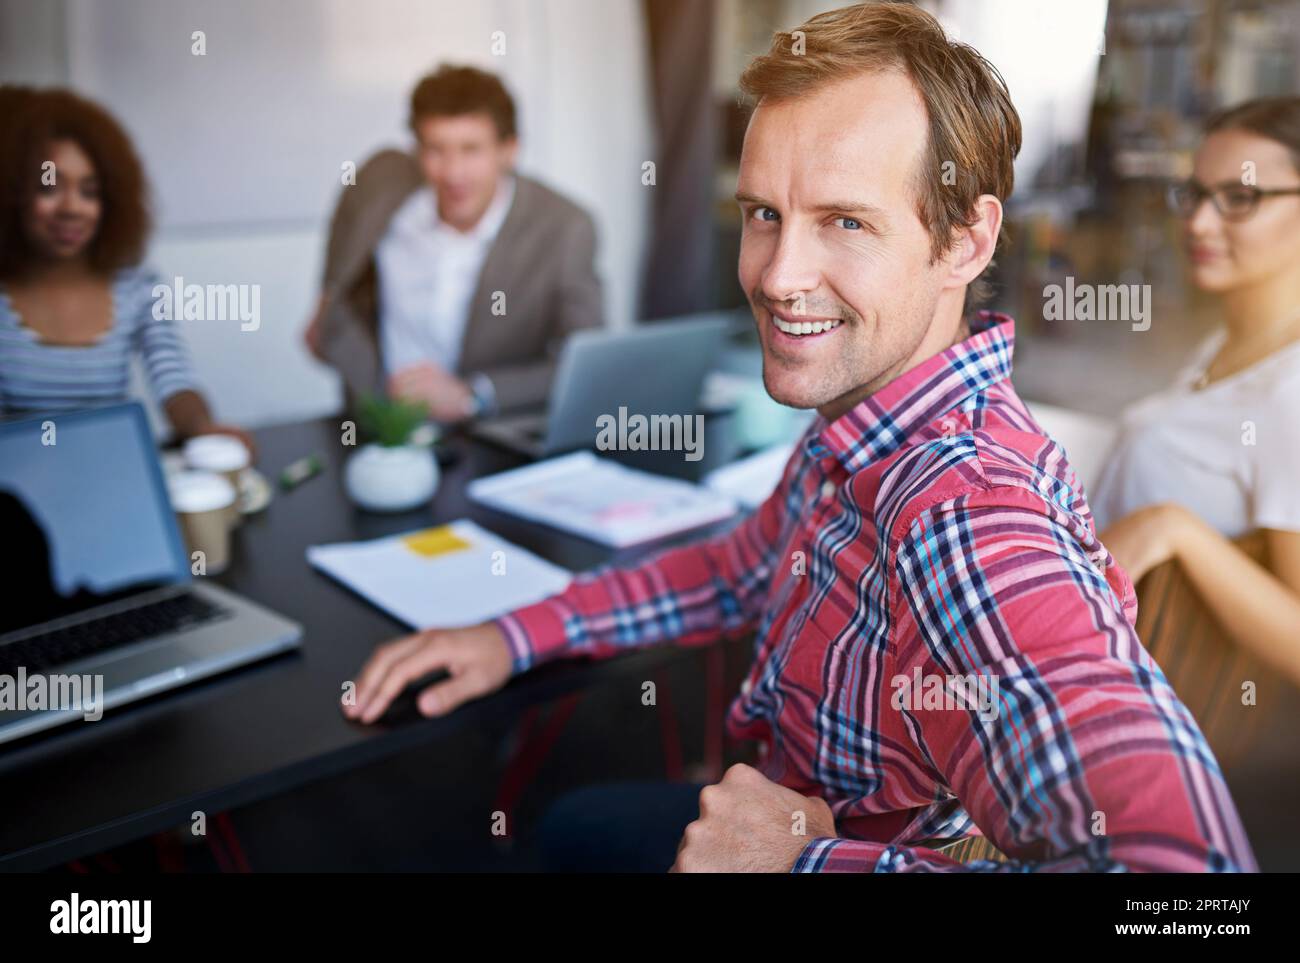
{"x": 933, "y": 532}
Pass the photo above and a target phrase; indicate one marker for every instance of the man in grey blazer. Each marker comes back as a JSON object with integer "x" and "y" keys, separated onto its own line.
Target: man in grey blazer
{"x": 449, "y": 279}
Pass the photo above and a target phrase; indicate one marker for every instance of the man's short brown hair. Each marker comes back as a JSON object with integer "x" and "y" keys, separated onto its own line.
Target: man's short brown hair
{"x": 453, "y": 91}
{"x": 974, "y": 128}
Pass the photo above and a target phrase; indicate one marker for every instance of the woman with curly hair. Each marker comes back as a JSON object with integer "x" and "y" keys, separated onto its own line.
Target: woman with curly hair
{"x": 75, "y": 303}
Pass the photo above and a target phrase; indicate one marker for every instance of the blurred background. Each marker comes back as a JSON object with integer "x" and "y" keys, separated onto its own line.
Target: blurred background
{"x": 244, "y": 148}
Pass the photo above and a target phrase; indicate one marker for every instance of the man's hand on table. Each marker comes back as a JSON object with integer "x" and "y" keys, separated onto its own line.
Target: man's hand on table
{"x": 749, "y": 824}
{"x": 477, "y": 660}
{"x": 450, "y": 400}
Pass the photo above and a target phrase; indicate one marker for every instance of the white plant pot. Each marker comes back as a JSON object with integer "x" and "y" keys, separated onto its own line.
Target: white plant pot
{"x": 381, "y": 479}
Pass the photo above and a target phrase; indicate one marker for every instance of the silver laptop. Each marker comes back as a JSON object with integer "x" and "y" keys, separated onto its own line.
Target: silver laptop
{"x": 656, "y": 368}
{"x": 99, "y": 598}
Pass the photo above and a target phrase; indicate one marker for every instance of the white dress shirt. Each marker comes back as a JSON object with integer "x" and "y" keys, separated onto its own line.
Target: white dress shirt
{"x": 428, "y": 273}
{"x": 1230, "y": 452}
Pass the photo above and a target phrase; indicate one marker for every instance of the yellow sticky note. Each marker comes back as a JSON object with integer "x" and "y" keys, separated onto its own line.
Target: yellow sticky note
{"x": 435, "y": 541}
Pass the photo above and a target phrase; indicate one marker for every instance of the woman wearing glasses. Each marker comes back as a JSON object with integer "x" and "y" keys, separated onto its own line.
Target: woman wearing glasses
{"x": 1216, "y": 455}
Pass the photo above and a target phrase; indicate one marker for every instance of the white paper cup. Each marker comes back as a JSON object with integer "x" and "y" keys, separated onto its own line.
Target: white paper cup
{"x": 202, "y": 501}
{"x": 224, "y": 455}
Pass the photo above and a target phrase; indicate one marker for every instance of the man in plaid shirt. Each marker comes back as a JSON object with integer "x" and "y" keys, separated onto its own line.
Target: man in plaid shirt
{"x": 943, "y": 645}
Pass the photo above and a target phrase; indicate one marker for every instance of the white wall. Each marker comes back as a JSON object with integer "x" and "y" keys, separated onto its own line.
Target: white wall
{"x": 33, "y": 47}
{"x": 1046, "y": 50}
{"x": 244, "y": 145}
{"x": 1048, "y": 53}
{"x": 263, "y": 376}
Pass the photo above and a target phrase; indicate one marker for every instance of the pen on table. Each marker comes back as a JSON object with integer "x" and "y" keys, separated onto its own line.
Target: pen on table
{"x": 297, "y": 472}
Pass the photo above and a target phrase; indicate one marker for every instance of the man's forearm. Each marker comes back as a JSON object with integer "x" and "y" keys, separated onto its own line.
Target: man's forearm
{"x": 519, "y": 385}
{"x": 188, "y": 414}
{"x": 693, "y": 595}
{"x": 1084, "y": 758}
{"x": 614, "y": 610}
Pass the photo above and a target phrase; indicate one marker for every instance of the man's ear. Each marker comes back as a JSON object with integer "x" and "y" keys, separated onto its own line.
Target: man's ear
{"x": 975, "y": 244}
{"x": 510, "y": 149}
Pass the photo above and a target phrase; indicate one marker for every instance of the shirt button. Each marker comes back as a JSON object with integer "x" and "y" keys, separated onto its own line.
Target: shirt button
{"x": 828, "y": 489}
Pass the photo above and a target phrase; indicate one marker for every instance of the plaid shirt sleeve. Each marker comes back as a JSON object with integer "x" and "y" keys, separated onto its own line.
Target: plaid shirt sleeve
{"x": 692, "y": 595}
{"x": 1088, "y": 761}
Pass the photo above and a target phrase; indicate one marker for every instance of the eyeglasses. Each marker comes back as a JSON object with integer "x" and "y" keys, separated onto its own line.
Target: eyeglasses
{"x": 1235, "y": 202}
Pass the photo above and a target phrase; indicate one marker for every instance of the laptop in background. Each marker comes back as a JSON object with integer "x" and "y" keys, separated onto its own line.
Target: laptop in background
{"x": 99, "y": 579}
{"x": 656, "y": 368}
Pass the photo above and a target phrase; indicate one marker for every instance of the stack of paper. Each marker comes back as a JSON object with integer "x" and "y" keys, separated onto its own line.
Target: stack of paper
{"x": 446, "y": 577}
{"x": 601, "y": 499}
{"x": 751, "y": 480}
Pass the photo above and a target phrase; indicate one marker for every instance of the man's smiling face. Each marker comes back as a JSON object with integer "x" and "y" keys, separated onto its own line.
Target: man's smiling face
{"x": 832, "y": 242}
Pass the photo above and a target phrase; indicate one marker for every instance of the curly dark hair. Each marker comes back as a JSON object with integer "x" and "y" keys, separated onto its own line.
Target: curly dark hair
{"x": 30, "y": 120}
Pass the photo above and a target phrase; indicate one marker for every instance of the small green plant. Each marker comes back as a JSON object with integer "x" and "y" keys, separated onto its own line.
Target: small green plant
{"x": 388, "y": 421}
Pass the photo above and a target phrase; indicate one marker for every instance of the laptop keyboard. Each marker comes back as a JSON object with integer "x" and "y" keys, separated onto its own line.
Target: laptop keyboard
{"x": 185, "y": 610}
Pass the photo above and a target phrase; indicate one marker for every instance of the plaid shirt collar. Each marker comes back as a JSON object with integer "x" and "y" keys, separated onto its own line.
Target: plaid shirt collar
{"x": 883, "y": 421}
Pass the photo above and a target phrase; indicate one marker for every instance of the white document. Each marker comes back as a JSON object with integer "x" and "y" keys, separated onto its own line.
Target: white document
{"x": 444, "y": 577}
{"x": 752, "y": 479}
{"x": 601, "y": 500}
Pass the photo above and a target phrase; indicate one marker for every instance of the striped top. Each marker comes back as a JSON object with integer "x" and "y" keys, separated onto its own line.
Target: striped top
{"x": 943, "y": 647}
{"x": 46, "y": 377}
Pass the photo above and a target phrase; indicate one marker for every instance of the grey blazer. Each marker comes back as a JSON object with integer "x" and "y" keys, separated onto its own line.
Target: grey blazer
{"x": 542, "y": 260}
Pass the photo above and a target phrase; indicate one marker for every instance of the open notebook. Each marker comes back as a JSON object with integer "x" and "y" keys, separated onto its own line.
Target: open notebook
{"x": 601, "y": 500}
{"x": 450, "y": 576}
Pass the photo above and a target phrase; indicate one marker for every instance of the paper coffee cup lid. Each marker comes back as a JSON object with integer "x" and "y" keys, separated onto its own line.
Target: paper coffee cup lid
{"x": 216, "y": 453}
{"x": 199, "y": 491}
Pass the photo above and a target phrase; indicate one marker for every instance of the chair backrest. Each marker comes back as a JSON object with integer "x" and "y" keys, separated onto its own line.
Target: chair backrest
{"x": 972, "y": 849}
{"x": 1227, "y": 690}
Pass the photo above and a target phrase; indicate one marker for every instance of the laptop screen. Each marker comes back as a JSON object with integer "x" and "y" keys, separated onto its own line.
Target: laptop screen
{"x": 84, "y": 513}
